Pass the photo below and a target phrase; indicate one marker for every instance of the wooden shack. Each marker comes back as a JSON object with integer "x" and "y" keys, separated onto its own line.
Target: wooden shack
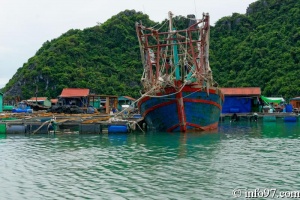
{"x": 74, "y": 96}
{"x": 82, "y": 98}
{"x": 104, "y": 103}
{"x": 295, "y": 104}
{"x": 125, "y": 100}
{"x": 241, "y": 100}
{"x": 42, "y": 101}
{"x": 53, "y": 101}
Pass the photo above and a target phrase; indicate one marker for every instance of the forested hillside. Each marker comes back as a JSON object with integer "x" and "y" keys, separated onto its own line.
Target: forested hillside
{"x": 104, "y": 58}
{"x": 257, "y": 49}
{"x": 261, "y": 48}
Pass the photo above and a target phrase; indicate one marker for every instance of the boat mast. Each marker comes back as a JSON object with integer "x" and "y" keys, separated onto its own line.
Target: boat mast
{"x": 173, "y": 33}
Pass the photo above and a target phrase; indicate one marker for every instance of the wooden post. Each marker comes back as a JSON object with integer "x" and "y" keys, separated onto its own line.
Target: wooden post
{"x": 107, "y": 105}
{"x": 36, "y": 92}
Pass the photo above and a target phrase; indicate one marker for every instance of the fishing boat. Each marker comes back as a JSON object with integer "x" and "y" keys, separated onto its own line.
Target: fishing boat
{"x": 179, "y": 93}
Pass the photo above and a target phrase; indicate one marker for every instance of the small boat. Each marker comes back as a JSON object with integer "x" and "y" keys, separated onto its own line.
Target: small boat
{"x": 22, "y": 108}
{"x": 179, "y": 93}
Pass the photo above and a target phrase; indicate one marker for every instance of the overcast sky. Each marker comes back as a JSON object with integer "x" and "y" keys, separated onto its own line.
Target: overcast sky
{"x": 26, "y": 24}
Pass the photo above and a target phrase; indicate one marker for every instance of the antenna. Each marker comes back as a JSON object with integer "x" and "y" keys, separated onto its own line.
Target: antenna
{"x": 195, "y": 8}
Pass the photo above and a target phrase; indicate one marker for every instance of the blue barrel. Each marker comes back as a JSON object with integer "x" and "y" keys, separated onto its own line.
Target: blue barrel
{"x": 15, "y": 128}
{"x": 117, "y": 129}
{"x": 19, "y": 110}
{"x": 290, "y": 119}
{"x": 289, "y": 108}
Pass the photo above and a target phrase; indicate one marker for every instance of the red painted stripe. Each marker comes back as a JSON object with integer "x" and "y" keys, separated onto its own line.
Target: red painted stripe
{"x": 143, "y": 100}
{"x": 202, "y": 101}
{"x": 172, "y": 128}
{"x": 181, "y": 112}
{"x": 185, "y": 100}
{"x": 204, "y": 128}
{"x": 190, "y": 89}
{"x": 187, "y": 88}
{"x": 158, "y": 106}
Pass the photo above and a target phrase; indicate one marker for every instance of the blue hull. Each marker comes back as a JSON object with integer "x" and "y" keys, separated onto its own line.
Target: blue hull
{"x": 199, "y": 111}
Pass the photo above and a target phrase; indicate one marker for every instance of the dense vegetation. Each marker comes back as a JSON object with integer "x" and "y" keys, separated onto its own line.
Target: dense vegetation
{"x": 258, "y": 49}
{"x": 104, "y": 58}
{"x": 261, "y": 48}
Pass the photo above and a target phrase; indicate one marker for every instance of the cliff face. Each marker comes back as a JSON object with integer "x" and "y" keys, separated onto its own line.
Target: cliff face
{"x": 257, "y": 7}
{"x": 258, "y": 49}
{"x": 15, "y": 90}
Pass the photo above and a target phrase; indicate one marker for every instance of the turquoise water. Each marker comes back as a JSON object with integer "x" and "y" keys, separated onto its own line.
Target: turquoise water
{"x": 207, "y": 165}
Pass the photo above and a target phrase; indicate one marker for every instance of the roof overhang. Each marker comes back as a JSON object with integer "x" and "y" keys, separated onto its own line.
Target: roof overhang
{"x": 296, "y": 99}
{"x": 242, "y": 91}
{"x": 272, "y": 99}
{"x": 74, "y": 92}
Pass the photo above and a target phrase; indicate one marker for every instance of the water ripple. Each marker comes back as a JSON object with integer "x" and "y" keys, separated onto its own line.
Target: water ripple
{"x": 152, "y": 165}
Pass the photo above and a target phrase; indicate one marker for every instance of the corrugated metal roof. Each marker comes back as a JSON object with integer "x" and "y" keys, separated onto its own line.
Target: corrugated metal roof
{"x": 75, "y": 92}
{"x": 126, "y": 97}
{"x": 296, "y": 98}
{"x": 246, "y": 91}
{"x": 37, "y": 99}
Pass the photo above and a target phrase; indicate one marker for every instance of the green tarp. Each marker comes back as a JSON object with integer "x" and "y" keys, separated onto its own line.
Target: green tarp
{"x": 272, "y": 99}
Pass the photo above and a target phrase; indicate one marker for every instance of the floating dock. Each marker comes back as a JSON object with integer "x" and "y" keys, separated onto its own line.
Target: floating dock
{"x": 287, "y": 117}
{"x": 45, "y": 123}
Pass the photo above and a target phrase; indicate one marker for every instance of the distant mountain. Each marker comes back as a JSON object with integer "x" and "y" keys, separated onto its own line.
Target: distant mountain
{"x": 104, "y": 58}
{"x": 260, "y": 48}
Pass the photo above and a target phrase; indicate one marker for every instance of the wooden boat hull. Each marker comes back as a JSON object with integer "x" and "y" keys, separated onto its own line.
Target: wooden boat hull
{"x": 190, "y": 109}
